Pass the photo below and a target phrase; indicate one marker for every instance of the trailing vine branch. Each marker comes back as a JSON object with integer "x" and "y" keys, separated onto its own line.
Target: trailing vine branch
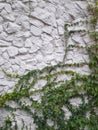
{"x": 55, "y": 94}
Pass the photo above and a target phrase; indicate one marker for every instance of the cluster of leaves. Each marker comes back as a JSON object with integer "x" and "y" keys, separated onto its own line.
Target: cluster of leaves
{"x": 56, "y": 94}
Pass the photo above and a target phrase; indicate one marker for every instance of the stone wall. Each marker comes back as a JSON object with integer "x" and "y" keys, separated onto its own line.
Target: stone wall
{"x": 32, "y": 37}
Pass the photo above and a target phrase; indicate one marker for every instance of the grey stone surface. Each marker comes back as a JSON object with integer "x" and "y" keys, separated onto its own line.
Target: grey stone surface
{"x": 12, "y": 51}
{"x": 35, "y": 30}
{"x": 32, "y": 37}
{"x": 22, "y": 51}
{"x": 11, "y": 27}
{"x": 28, "y": 43}
{"x": 4, "y": 43}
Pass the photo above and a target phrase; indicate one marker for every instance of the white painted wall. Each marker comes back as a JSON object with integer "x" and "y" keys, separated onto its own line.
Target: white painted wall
{"x": 32, "y": 37}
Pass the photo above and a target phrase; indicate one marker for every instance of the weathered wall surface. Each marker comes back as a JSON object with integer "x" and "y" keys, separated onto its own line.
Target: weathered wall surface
{"x": 32, "y": 37}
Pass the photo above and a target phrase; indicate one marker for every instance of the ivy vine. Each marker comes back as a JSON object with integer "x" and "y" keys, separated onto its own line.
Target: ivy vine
{"x": 50, "y": 113}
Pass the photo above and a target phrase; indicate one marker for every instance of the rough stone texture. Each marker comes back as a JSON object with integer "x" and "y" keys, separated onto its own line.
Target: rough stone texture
{"x": 32, "y": 37}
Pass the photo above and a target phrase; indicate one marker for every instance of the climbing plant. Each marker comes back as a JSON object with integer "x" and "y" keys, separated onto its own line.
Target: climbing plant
{"x": 50, "y": 111}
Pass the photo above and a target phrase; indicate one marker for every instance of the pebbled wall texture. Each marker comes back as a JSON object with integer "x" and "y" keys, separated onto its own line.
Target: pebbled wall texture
{"x": 32, "y": 37}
